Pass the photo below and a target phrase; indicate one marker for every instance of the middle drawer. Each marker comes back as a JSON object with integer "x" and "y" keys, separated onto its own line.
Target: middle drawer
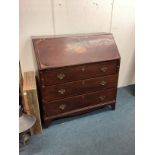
{"x": 78, "y": 87}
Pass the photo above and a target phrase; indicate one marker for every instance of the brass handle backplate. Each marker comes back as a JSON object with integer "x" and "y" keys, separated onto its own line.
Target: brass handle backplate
{"x": 103, "y": 83}
{"x": 61, "y": 91}
{"x": 61, "y": 76}
{"x": 62, "y": 106}
{"x": 101, "y": 98}
{"x": 104, "y": 69}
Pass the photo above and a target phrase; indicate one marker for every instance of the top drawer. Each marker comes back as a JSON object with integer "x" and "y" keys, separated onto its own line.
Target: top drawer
{"x": 73, "y": 73}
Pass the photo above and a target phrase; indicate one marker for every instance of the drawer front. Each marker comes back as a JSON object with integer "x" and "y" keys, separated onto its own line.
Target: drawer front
{"x": 62, "y": 106}
{"x": 100, "y": 97}
{"x": 79, "y": 102}
{"x": 79, "y": 87}
{"x": 68, "y": 74}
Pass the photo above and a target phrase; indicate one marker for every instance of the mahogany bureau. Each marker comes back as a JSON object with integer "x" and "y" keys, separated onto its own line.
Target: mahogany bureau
{"x": 75, "y": 74}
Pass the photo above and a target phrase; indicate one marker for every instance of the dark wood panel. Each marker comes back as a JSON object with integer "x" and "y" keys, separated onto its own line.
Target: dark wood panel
{"x": 78, "y": 87}
{"x": 47, "y": 119}
{"x": 100, "y": 97}
{"x": 86, "y": 71}
{"x": 62, "y": 106}
{"x": 72, "y": 50}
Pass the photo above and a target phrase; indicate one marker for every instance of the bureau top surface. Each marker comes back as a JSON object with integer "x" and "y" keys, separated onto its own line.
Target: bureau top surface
{"x": 53, "y": 52}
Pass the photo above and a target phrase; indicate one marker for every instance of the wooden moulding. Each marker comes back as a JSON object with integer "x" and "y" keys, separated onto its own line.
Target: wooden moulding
{"x": 31, "y": 104}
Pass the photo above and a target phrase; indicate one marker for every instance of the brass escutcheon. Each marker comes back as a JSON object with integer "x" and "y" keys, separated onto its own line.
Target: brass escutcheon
{"x": 83, "y": 69}
{"x": 83, "y": 82}
{"x": 104, "y": 69}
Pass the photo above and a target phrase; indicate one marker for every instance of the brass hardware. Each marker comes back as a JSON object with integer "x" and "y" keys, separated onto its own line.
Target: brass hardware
{"x": 103, "y": 83}
{"x": 83, "y": 82}
{"x": 62, "y": 91}
{"x": 82, "y": 69}
{"x": 61, "y": 76}
{"x": 62, "y": 106}
{"x": 104, "y": 69}
{"x": 101, "y": 98}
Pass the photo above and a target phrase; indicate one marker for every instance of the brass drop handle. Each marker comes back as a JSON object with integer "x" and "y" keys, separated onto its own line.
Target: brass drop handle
{"x": 61, "y": 91}
{"x": 62, "y": 106}
{"x": 104, "y": 69}
{"x": 103, "y": 83}
{"x": 101, "y": 98}
{"x": 61, "y": 76}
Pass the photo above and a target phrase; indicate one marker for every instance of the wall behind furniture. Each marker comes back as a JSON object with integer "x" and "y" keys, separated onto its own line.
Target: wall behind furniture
{"x": 54, "y": 17}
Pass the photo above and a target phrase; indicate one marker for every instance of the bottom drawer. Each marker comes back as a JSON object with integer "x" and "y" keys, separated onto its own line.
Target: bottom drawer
{"x": 71, "y": 104}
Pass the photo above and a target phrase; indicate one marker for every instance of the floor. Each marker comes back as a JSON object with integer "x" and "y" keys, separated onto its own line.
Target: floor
{"x": 102, "y": 132}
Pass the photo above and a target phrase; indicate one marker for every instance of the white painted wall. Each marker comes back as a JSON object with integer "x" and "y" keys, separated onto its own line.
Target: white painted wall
{"x": 48, "y": 17}
{"x": 123, "y": 30}
{"x": 82, "y": 16}
{"x": 35, "y": 19}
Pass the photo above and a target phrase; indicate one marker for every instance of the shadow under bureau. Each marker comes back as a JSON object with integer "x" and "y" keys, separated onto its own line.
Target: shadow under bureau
{"x": 75, "y": 74}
